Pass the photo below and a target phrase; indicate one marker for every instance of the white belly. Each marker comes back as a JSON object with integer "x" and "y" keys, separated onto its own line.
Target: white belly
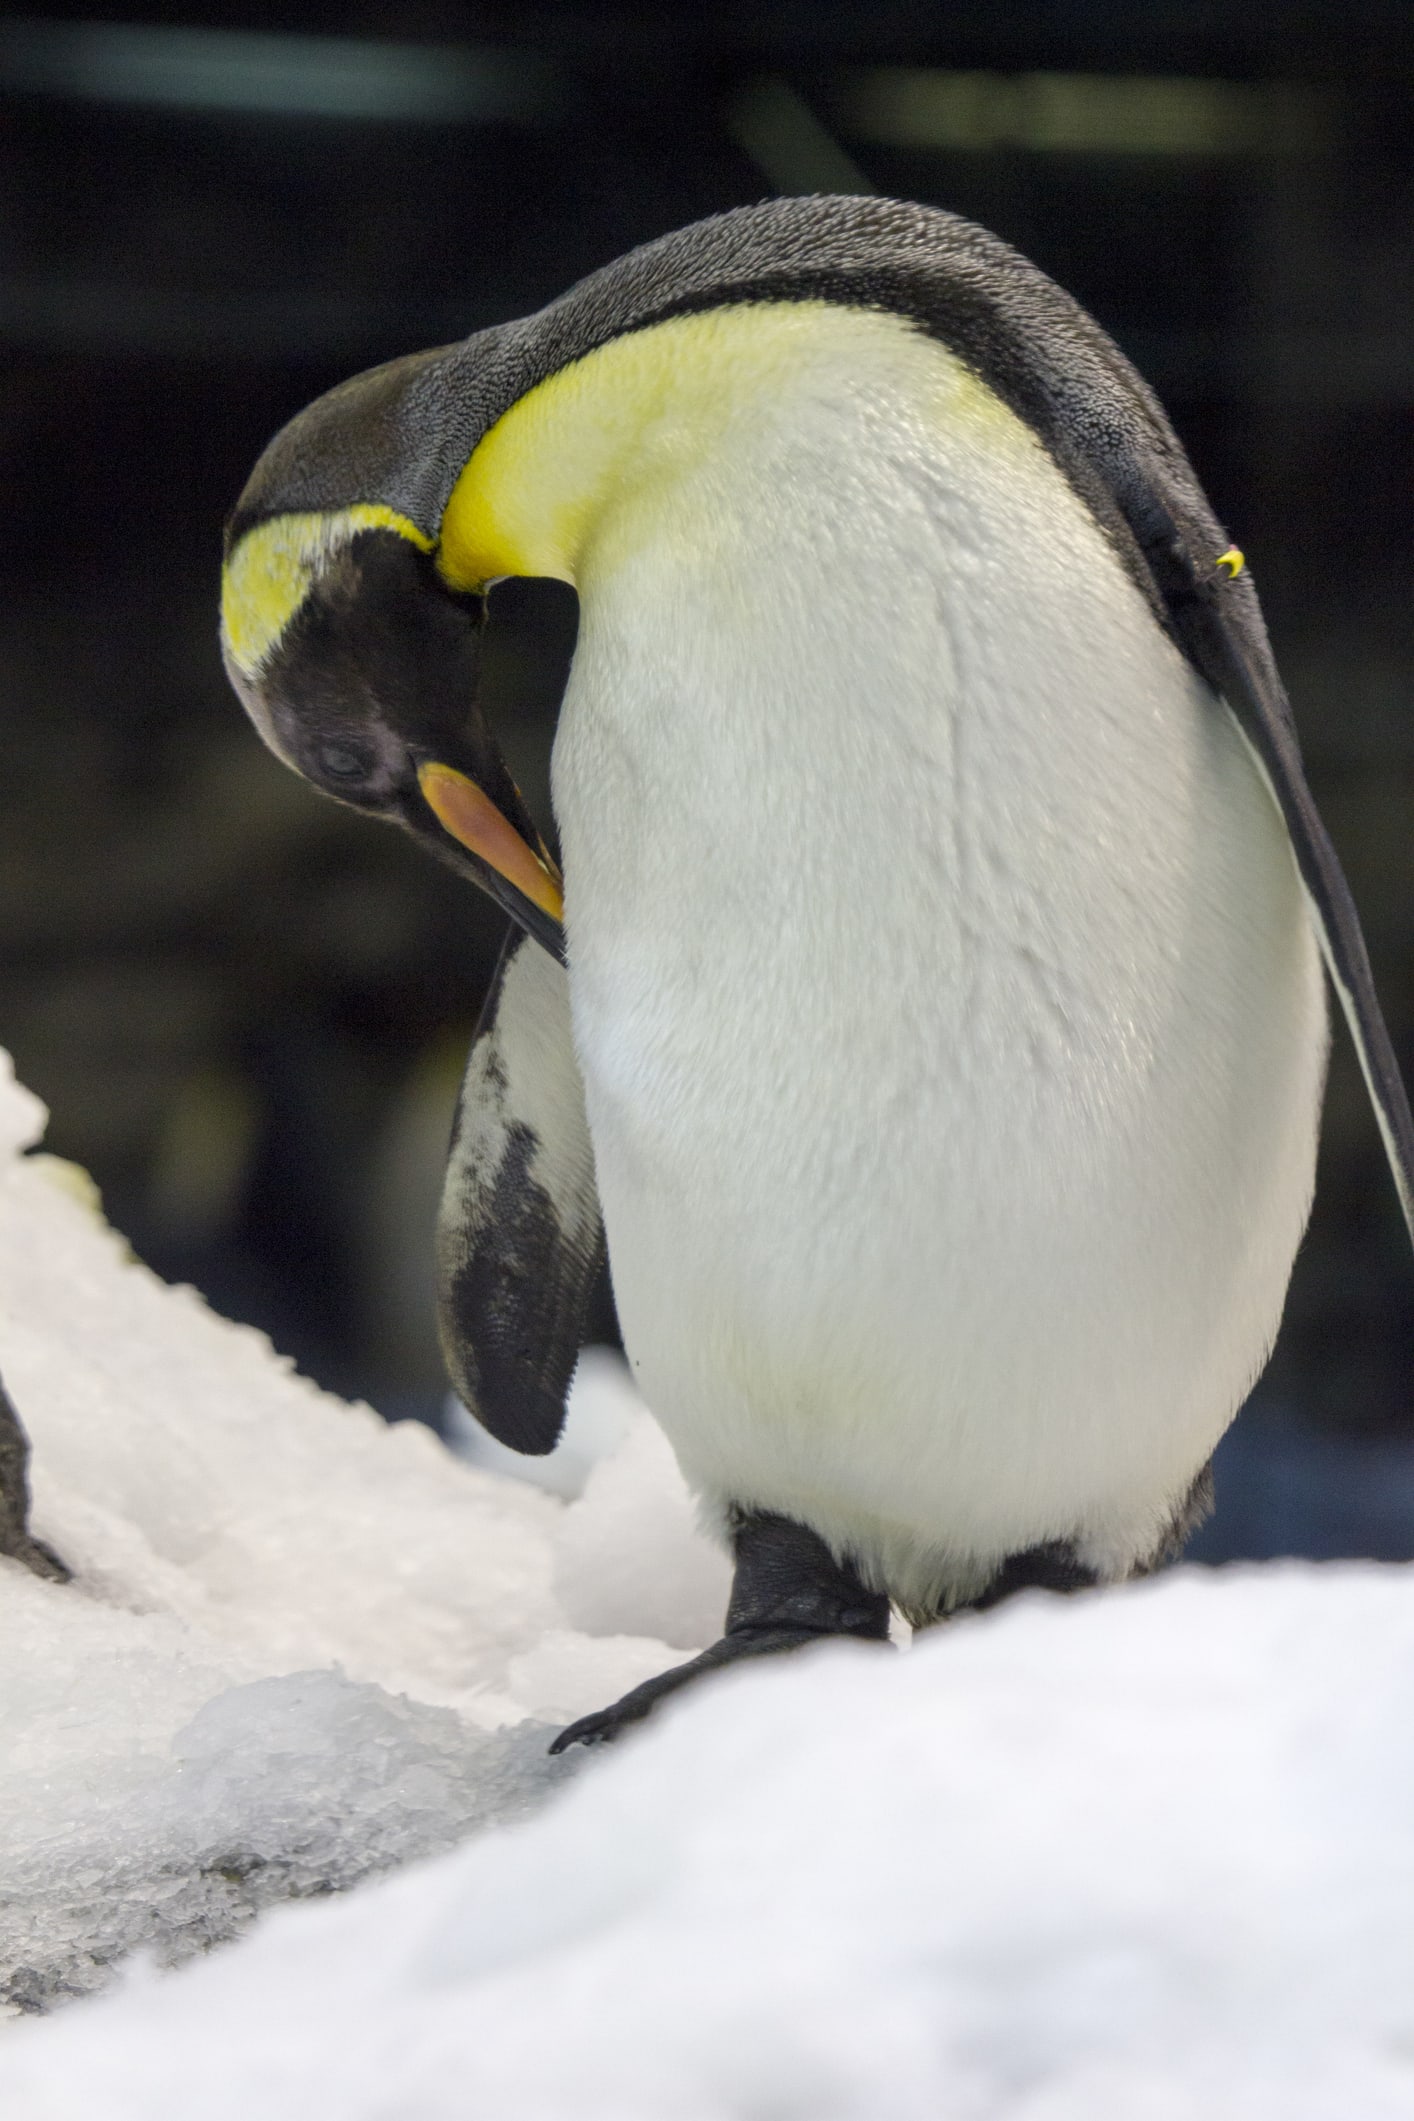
{"x": 951, "y": 1022}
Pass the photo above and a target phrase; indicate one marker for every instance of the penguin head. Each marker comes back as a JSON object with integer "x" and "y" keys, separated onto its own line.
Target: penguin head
{"x": 359, "y": 666}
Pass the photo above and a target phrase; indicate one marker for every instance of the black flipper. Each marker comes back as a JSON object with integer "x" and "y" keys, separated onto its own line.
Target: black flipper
{"x": 1215, "y": 615}
{"x": 520, "y": 1239}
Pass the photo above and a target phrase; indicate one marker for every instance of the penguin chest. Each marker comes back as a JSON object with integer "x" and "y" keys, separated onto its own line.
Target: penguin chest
{"x": 951, "y": 1024}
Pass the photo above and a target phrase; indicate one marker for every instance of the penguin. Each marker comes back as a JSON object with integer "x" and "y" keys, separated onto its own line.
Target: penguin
{"x": 929, "y": 1016}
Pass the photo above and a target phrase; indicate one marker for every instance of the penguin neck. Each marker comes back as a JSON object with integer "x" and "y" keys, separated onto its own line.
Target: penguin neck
{"x": 590, "y": 457}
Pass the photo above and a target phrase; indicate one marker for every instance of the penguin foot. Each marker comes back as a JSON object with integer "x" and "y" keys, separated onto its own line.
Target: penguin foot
{"x": 788, "y": 1591}
{"x": 1052, "y": 1566}
{"x": 606, "y": 1724}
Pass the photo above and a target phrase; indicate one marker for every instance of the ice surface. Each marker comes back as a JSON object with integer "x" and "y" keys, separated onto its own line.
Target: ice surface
{"x": 1147, "y": 1856}
{"x": 261, "y": 1574}
{"x": 1134, "y": 1858}
{"x": 277, "y": 1790}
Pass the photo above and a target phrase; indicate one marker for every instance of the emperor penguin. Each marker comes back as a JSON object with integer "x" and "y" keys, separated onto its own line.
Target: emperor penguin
{"x": 929, "y": 1013}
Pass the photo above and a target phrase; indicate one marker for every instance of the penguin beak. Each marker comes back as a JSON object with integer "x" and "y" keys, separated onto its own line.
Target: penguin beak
{"x": 533, "y": 895}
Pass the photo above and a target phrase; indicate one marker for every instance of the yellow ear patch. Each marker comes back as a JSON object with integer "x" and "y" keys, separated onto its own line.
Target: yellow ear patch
{"x": 269, "y": 574}
{"x": 528, "y": 495}
{"x": 1232, "y": 561}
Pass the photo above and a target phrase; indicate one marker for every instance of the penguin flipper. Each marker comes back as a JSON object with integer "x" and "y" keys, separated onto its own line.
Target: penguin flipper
{"x": 1214, "y": 612}
{"x": 520, "y": 1239}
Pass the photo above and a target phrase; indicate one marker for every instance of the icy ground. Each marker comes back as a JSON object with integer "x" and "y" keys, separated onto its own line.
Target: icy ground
{"x": 299, "y": 1646}
{"x": 1142, "y": 1857}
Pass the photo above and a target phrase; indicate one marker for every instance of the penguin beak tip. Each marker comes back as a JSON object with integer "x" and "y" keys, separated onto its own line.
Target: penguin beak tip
{"x": 467, "y": 814}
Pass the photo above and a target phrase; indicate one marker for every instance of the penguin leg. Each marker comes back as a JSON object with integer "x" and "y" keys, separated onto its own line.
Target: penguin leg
{"x": 788, "y": 1590}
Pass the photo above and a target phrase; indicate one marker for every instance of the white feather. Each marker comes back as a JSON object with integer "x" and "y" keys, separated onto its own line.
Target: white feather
{"x": 951, "y": 1020}
{"x": 522, "y": 1079}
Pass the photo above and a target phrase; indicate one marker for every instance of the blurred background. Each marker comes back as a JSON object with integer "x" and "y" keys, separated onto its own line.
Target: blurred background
{"x": 248, "y": 1009}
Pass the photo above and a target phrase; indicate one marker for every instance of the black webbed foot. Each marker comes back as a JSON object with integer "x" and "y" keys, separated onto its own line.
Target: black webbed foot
{"x": 1052, "y": 1566}
{"x": 606, "y": 1724}
{"x": 788, "y": 1591}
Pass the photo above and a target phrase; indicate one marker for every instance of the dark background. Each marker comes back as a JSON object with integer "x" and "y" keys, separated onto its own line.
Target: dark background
{"x": 246, "y": 1008}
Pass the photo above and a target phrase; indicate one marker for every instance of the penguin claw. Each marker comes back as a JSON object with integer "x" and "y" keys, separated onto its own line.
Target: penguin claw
{"x": 605, "y": 1725}
{"x": 602, "y": 1728}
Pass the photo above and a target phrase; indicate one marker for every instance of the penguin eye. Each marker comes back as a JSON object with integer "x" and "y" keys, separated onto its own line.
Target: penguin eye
{"x": 345, "y": 762}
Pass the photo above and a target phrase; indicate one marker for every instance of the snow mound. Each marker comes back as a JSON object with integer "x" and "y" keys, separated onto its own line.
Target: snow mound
{"x": 1147, "y": 1856}
{"x": 211, "y": 1714}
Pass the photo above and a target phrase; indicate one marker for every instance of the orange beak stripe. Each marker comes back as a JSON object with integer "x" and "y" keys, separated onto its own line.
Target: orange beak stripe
{"x": 470, "y": 816}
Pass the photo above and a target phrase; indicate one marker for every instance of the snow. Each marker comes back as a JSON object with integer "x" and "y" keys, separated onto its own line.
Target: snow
{"x": 212, "y": 1715}
{"x": 1146, "y": 1855}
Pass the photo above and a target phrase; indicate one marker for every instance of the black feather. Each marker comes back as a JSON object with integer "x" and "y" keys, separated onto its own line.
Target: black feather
{"x": 519, "y": 1239}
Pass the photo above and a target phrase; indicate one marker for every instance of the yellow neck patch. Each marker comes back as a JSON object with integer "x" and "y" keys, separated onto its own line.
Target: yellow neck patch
{"x": 269, "y": 574}
{"x": 541, "y": 481}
